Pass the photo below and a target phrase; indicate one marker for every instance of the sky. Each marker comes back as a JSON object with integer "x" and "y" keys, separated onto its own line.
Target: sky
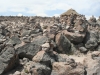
{"x": 48, "y": 7}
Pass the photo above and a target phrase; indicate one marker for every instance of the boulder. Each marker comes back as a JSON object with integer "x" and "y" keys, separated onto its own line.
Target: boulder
{"x": 39, "y": 40}
{"x": 14, "y": 40}
{"x": 63, "y": 44}
{"x": 74, "y": 37}
{"x": 83, "y": 49}
{"x": 91, "y": 40}
{"x": 8, "y": 59}
{"x": 28, "y": 50}
{"x": 5, "y": 32}
{"x": 25, "y": 32}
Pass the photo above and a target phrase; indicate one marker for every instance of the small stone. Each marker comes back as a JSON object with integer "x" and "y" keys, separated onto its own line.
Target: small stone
{"x": 46, "y": 45}
{"x": 17, "y": 73}
{"x": 83, "y": 49}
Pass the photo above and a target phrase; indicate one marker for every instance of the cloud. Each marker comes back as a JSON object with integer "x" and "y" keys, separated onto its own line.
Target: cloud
{"x": 20, "y": 14}
{"x": 42, "y": 14}
{"x": 56, "y": 15}
{"x": 41, "y": 7}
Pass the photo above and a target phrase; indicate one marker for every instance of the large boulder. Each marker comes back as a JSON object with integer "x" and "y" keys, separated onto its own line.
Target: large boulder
{"x": 63, "y": 44}
{"x": 8, "y": 59}
{"x": 91, "y": 40}
{"x": 31, "y": 49}
{"x": 28, "y": 50}
{"x": 74, "y": 37}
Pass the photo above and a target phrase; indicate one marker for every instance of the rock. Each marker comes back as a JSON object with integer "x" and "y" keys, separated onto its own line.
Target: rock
{"x": 47, "y": 58}
{"x": 6, "y": 32}
{"x": 53, "y": 29}
{"x": 26, "y": 39}
{"x": 39, "y": 40}
{"x": 98, "y": 37}
{"x": 98, "y": 48}
{"x": 91, "y": 40}
{"x": 24, "y": 61}
{"x": 64, "y": 68}
{"x": 74, "y": 37}
{"x": 14, "y": 40}
{"x": 2, "y": 46}
{"x": 37, "y": 69}
{"x": 8, "y": 59}
{"x": 92, "y": 65}
{"x": 80, "y": 26}
{"x": 2, "y": 39}
{"x": 35, "y": 35}
{"x": 28, "y": 50}
{"x": 46, "y": 45}
{"x": 35, "y": 31}
{"x": 25, "y": 32}
{"x": 17, "y": 73}
{"x": 51, "y": 36}
{"x": 63, "y": 44}
{"x": 83, "y": 49}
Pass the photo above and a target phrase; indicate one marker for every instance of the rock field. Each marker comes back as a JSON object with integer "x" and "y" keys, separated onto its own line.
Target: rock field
{"x": 65, "y": 45}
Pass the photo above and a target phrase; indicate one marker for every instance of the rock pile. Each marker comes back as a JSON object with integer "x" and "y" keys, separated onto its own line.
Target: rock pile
{"x": 62, "y": 45}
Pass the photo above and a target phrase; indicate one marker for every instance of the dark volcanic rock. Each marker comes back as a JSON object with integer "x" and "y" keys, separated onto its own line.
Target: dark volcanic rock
{"x": 63, "y": 44}
{"x": 91, "y": 40}
{"x": 14, "y": 40}
{"x": 8, "y": 59}
{"x": 83, "y": 49}
{"x": 39, "y": 40}
{"x": 29, "y": 50}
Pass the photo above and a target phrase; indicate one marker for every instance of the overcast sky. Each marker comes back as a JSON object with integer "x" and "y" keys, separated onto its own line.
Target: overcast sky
{"x": 49, "y": 7}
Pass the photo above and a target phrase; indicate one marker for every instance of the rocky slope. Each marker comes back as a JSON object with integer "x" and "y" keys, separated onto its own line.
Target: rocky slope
{"x": 65, "y": 45}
